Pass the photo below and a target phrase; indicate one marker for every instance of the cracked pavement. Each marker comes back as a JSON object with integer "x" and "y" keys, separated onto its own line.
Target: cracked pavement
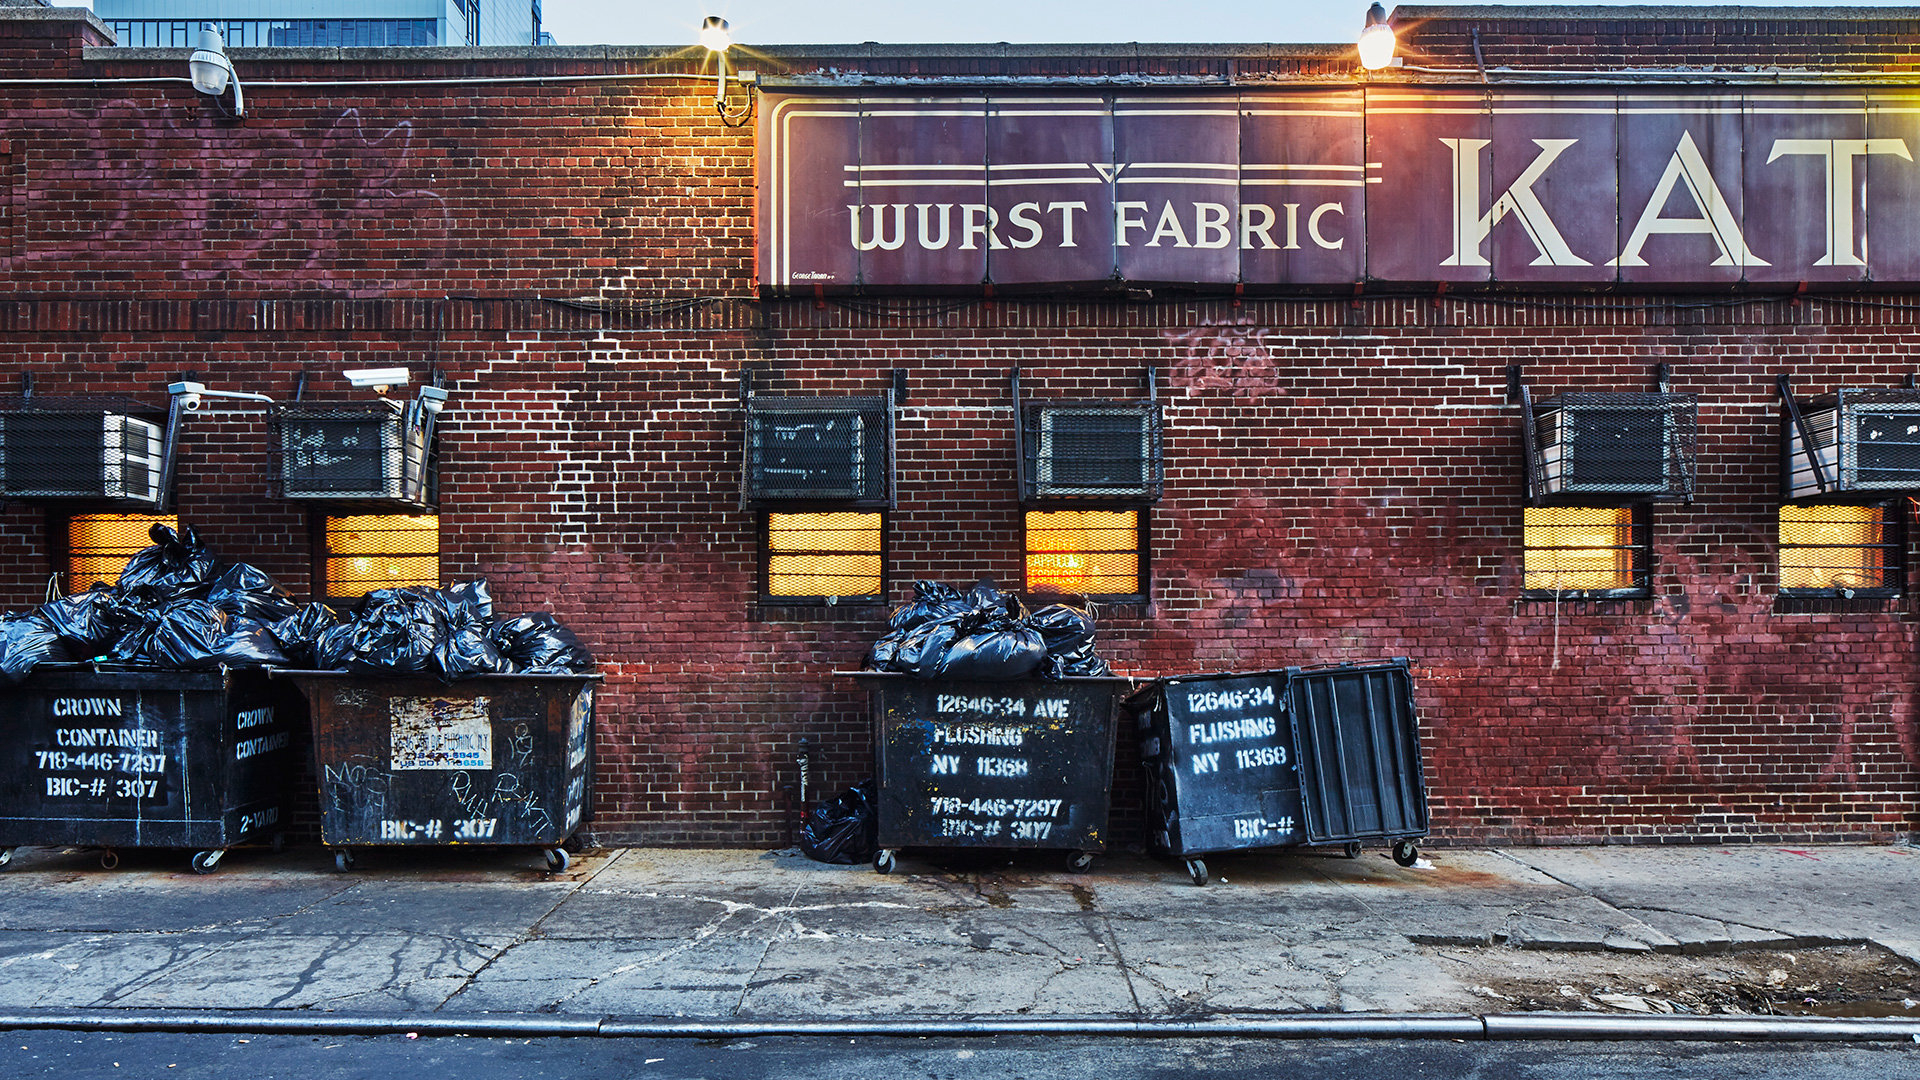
{"x": 704, "y": 934}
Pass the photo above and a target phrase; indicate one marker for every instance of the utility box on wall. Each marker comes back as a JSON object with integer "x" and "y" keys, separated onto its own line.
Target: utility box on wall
{"x": 75, "y": 450}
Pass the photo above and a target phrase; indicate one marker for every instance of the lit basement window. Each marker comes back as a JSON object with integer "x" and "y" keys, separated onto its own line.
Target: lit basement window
{"x": 1839, "y": 550}
{"x": 365, "y": 552}
{"x": 99, "y": 545}
{"x": 825, "y": 555}
{"x": 1090, "y": 552}
{"x": 1585, "y": 551}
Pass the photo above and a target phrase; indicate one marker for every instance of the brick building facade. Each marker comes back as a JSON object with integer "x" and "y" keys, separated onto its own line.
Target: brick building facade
{"x": 568, "y": 237}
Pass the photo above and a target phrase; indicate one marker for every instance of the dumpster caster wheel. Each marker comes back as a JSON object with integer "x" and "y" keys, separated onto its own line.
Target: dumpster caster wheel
{"x": 1351, "y": 850}
{"x": 6, "y": 857}
{"x": 883, "y": 862}
{"x": 343, "y": 861}
{"x": 1406, "y": 853}
{"x": 557, "y": 860}
{"x": 1197, "y": 870}
{"x": 206, "y": 862}
{"x": 1078, "y": 861}
{"x": 278, "y": 844}
{"x": 109, "y": 860}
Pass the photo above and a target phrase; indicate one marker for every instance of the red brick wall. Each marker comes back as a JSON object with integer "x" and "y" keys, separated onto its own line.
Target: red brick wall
{"x": 1342, "y": 480}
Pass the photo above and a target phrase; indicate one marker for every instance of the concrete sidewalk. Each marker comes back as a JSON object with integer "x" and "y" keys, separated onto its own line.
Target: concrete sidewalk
{"x": 752, "y": 935}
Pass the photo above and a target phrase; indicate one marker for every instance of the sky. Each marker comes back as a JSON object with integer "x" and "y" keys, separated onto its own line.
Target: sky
{"x": 794, "y": 22}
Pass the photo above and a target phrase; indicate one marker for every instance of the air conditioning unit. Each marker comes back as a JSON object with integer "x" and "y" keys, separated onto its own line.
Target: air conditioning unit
{"x": 80, "y": 455}
{"x": 1626, "y": 445}
{"x": 821, "y": 450}
{"x": 1862, "y": 440}
{"x": 1095, "y": 451}
{"x": 347, "y": 452}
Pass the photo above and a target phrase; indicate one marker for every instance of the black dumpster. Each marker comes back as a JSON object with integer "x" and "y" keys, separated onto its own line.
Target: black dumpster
{"x": 1300, "y": 756}
{"x": 406, "y": 761}
{"x": 1024, "y": 764}
{"x": 143, "y": 758}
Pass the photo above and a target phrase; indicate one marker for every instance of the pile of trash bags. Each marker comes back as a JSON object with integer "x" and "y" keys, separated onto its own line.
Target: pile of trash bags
{"x": 175, "y": 606}
{"x": 985, "y": 635}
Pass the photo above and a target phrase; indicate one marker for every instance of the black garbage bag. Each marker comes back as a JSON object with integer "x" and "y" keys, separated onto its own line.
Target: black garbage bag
{"x": 988, "y": 603}
{"x": 334, "y": 646}
{"x": 299, "y": 632}
{"x": 537, "y": 644}
{"x": 185, "y": 633}
{"x": 1077, "y": 664}
{"x": 885, "y": 651}
{"x": 923, "y": 648}
{"x": 1008, "y": 652}
{"x": 467, "y": 650}
{"x": 249, "y": 643}
{"x": 1065, "y": 627}
{"x": 842, "y": 829}
{"x": 397, "y": 632}
{"x": 177, "y": 566}
{"x": 931, "y": 602}
{"x": 26, "y": 642}
{"x": 90, "y": 622}
{"x": 247, "y": 591}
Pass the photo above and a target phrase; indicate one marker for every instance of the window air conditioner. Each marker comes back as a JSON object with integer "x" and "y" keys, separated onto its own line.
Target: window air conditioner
{"x": 372, "y": 453}
{"x": 814, "y": 453}
{"x": 1862, "y": 440}
{"x": 1101, "y": 452}
{"x": 1606, "y": 449}
{"x": 84, "y": 455}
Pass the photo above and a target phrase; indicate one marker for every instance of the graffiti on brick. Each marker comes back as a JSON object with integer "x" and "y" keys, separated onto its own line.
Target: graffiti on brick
{"x": 1224, "y": 356}
{"x": 340, "y": 206}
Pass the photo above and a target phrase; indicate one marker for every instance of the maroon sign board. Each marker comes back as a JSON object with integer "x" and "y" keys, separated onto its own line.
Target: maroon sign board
{"x": 1273, "y": 189}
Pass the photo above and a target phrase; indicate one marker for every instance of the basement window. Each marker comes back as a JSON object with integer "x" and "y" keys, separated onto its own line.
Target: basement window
{"x": 1100, "y": 554}
{"x": 1587, "y": 552}
{"x": 99, "y": 545}
{"x": 823, "y": 557}
{"x": 1844, "y": 551}
{"x": 363, "y": 552}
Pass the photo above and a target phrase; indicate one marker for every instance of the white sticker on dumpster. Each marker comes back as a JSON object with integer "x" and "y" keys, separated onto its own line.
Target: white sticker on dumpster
{"x": 434, "y": 733}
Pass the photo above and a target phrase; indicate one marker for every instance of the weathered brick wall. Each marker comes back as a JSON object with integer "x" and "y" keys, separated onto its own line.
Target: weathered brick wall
{"x": 1342, "y": 480}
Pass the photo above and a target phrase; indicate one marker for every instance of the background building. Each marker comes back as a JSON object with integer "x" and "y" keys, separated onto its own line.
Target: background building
{"x": 324, "y": 23}
{"x": 606, "y": 275}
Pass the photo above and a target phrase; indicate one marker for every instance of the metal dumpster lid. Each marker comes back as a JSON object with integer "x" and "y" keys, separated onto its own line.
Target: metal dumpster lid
{"x": 1128, "y": 679}
{"x": 304, "y": 673}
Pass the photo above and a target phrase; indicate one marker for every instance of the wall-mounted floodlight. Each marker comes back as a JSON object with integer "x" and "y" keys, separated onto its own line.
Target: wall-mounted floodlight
{"x": 212, "y": 72}
{"x": 378, "y": 379}
{"x": 717, "y": 38}
{"x": 1376, "y": 40}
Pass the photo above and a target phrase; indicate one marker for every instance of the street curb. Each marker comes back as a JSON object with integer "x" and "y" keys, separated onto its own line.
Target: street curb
{"x": 1492, "y": 1027}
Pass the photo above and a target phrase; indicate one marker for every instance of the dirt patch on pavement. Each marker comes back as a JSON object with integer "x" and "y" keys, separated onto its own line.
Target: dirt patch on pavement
{"x": 1848, "y": 980}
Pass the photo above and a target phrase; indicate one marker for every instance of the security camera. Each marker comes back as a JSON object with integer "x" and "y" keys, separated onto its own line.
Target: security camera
{"x": 187, "y": 394}
{"x": 378, "y": 379}
{"x": 433, "y": 399}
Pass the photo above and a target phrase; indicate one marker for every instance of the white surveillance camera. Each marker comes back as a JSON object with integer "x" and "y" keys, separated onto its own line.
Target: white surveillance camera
{"x": 378, "y": 379}
{"x": 187, "y": 394}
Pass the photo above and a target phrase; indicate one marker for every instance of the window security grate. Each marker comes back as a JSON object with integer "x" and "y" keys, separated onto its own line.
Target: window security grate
{"x": 1614, "y": 446}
